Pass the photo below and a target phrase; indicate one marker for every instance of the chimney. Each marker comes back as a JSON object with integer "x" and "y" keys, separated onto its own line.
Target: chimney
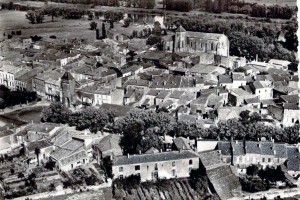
{"x": 127, "y": 155}
{"x": 140, "y": 152}
{"x": 236, "y": 141}
{"x": 160, "y": 150}
{"x": 274, "y": 152}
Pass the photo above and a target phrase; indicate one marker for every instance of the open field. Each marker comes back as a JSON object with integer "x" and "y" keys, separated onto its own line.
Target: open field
{"x": 274, "y": 2}
{"x": 61, "y": 28}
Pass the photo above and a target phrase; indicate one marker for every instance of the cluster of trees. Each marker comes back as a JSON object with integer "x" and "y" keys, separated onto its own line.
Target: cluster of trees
{"x": 147, "y": 4}
{"x": 259, "y": 179}
{"x": 142, "y": 129}
{"x": 11, "y": 98}
{"x": 91, "y": 118}
{"x": 255, "y": 10}
{"x": 35, "y": 17}
{"x": 246, "y": 39}
{"x": 178, "y": 5}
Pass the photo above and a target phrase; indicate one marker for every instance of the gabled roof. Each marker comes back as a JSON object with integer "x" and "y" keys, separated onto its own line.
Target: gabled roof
{"x": 158, "y": 157}
{"x": 110, "y": 143}
{"x": 182, "y": 143}
{"x": 180, "y": 29}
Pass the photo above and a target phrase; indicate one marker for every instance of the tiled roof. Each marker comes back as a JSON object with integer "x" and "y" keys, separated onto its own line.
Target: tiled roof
{"x": 293, "y": 162}
{"x": 38, "y": 144}
{"x": 224, "y": 181}
{"x": 210, "y": 159}
{"x": 182, "y": 143}
{"x": 158, "y": 157}
{"x": 73, "y": 158}
{"x": 224, "y": 147}
{"x": 110, "y": 142}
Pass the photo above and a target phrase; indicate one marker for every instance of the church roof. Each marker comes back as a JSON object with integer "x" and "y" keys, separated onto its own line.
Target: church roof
{"x": 180, "y": 29}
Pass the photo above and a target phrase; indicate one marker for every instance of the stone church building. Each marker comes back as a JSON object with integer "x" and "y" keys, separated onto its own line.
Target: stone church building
{"x": 196, "y": 42}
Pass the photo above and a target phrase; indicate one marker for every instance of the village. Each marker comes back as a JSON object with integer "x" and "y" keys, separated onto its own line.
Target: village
{"x": 116, "y": 105}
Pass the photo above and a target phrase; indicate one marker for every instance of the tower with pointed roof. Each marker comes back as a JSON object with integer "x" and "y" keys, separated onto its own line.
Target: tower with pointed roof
{"x": 180, "y": 39}
{"x": 68, "y": 95}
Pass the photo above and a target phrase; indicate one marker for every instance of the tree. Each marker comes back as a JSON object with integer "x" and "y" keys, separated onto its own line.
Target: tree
{"x": 37, "y": 152}
{"x": 21, "y": 175}
{"x": 103, "y": 31}
{"x": 157, "y": 28}
{"x": 39, "y": 17}
{"x": 56, "y": 112}
{"x": 126, "y": 22}
{"x": 252, "y": 170}
{"x": 31, "y": 17}
{"x": 93, "y": 26}
{"x": 153, "y": 40}
{"x": 198, "y": 180}
{"x": 107, "y": 164}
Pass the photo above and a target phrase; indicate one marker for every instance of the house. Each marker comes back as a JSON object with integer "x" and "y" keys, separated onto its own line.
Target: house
{"x": 24, "y": 80}
{"x": 280, "y": 64}
{"x": 205, "y": 103}
{"x": 237, "y": 96}
{"x": 227, "y": 113}
{"x": 108, "y": 146}
{"x": 8, "y": 141}
{"x": 172, "y": 164}
{"x": 221, "y": 176}
{"x": 27, "y": 43}
{"x": 45, "y": 146}
{"x": 181, "y": 143}
{"x": 96, "y": 95}
{"x": 194, "y": 42}
{"x": 262, "y": 90}
{"x": 291, "y": 114}
{"x": 265, "y": 153}
{"x": 8, "y": 74}
{"x": 48, "y": 84}
{"x": 69, "y": 152}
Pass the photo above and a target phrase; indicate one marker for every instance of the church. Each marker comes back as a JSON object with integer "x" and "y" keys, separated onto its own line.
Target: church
{"x": 196, "y": 42}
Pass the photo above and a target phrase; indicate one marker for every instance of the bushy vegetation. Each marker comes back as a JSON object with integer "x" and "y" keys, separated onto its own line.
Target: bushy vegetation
{"x": 91, "y": 118}
{"x": 11, "y": 98}
{"x": 141, "y": 129}
{"x": 259, "y": 179}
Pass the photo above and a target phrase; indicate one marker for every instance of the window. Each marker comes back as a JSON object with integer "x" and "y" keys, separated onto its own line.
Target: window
{"x": 190, "y": 162}
{"x": 78, "y": 162}
{"x": 83, "y": 161}
{"x": 212, "y": 46}
{"x": 263, "y": 159}
{"x": 137, "y": 167}
{"x": 121, "y": 176}
{"x": 293, "y": 120}
{"x": 269, "y": 159}
{"x": 173, "y": 163}
{"x": 120, "y": 169}
{"x": 173, "y": 172}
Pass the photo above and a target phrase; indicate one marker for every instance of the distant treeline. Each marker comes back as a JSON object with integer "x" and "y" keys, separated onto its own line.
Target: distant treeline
{"x": 214, "y": 6}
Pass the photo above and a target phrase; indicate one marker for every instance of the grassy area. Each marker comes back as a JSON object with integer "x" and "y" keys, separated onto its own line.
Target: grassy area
{"x": 62, "y": 28}
{"x": 104, "y": 194}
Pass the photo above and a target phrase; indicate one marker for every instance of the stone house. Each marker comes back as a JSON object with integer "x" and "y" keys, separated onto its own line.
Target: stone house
{"x": 108, "y": 146}
{"x": 262, "y": 90}
{"x": 151, "y": 167}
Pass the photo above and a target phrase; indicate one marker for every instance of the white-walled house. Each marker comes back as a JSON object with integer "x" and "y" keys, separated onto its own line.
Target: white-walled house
{"x": 172, "y": 164}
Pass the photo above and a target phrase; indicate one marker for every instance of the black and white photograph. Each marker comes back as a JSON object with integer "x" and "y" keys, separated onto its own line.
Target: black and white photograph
{"x": 149, "y": 100}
